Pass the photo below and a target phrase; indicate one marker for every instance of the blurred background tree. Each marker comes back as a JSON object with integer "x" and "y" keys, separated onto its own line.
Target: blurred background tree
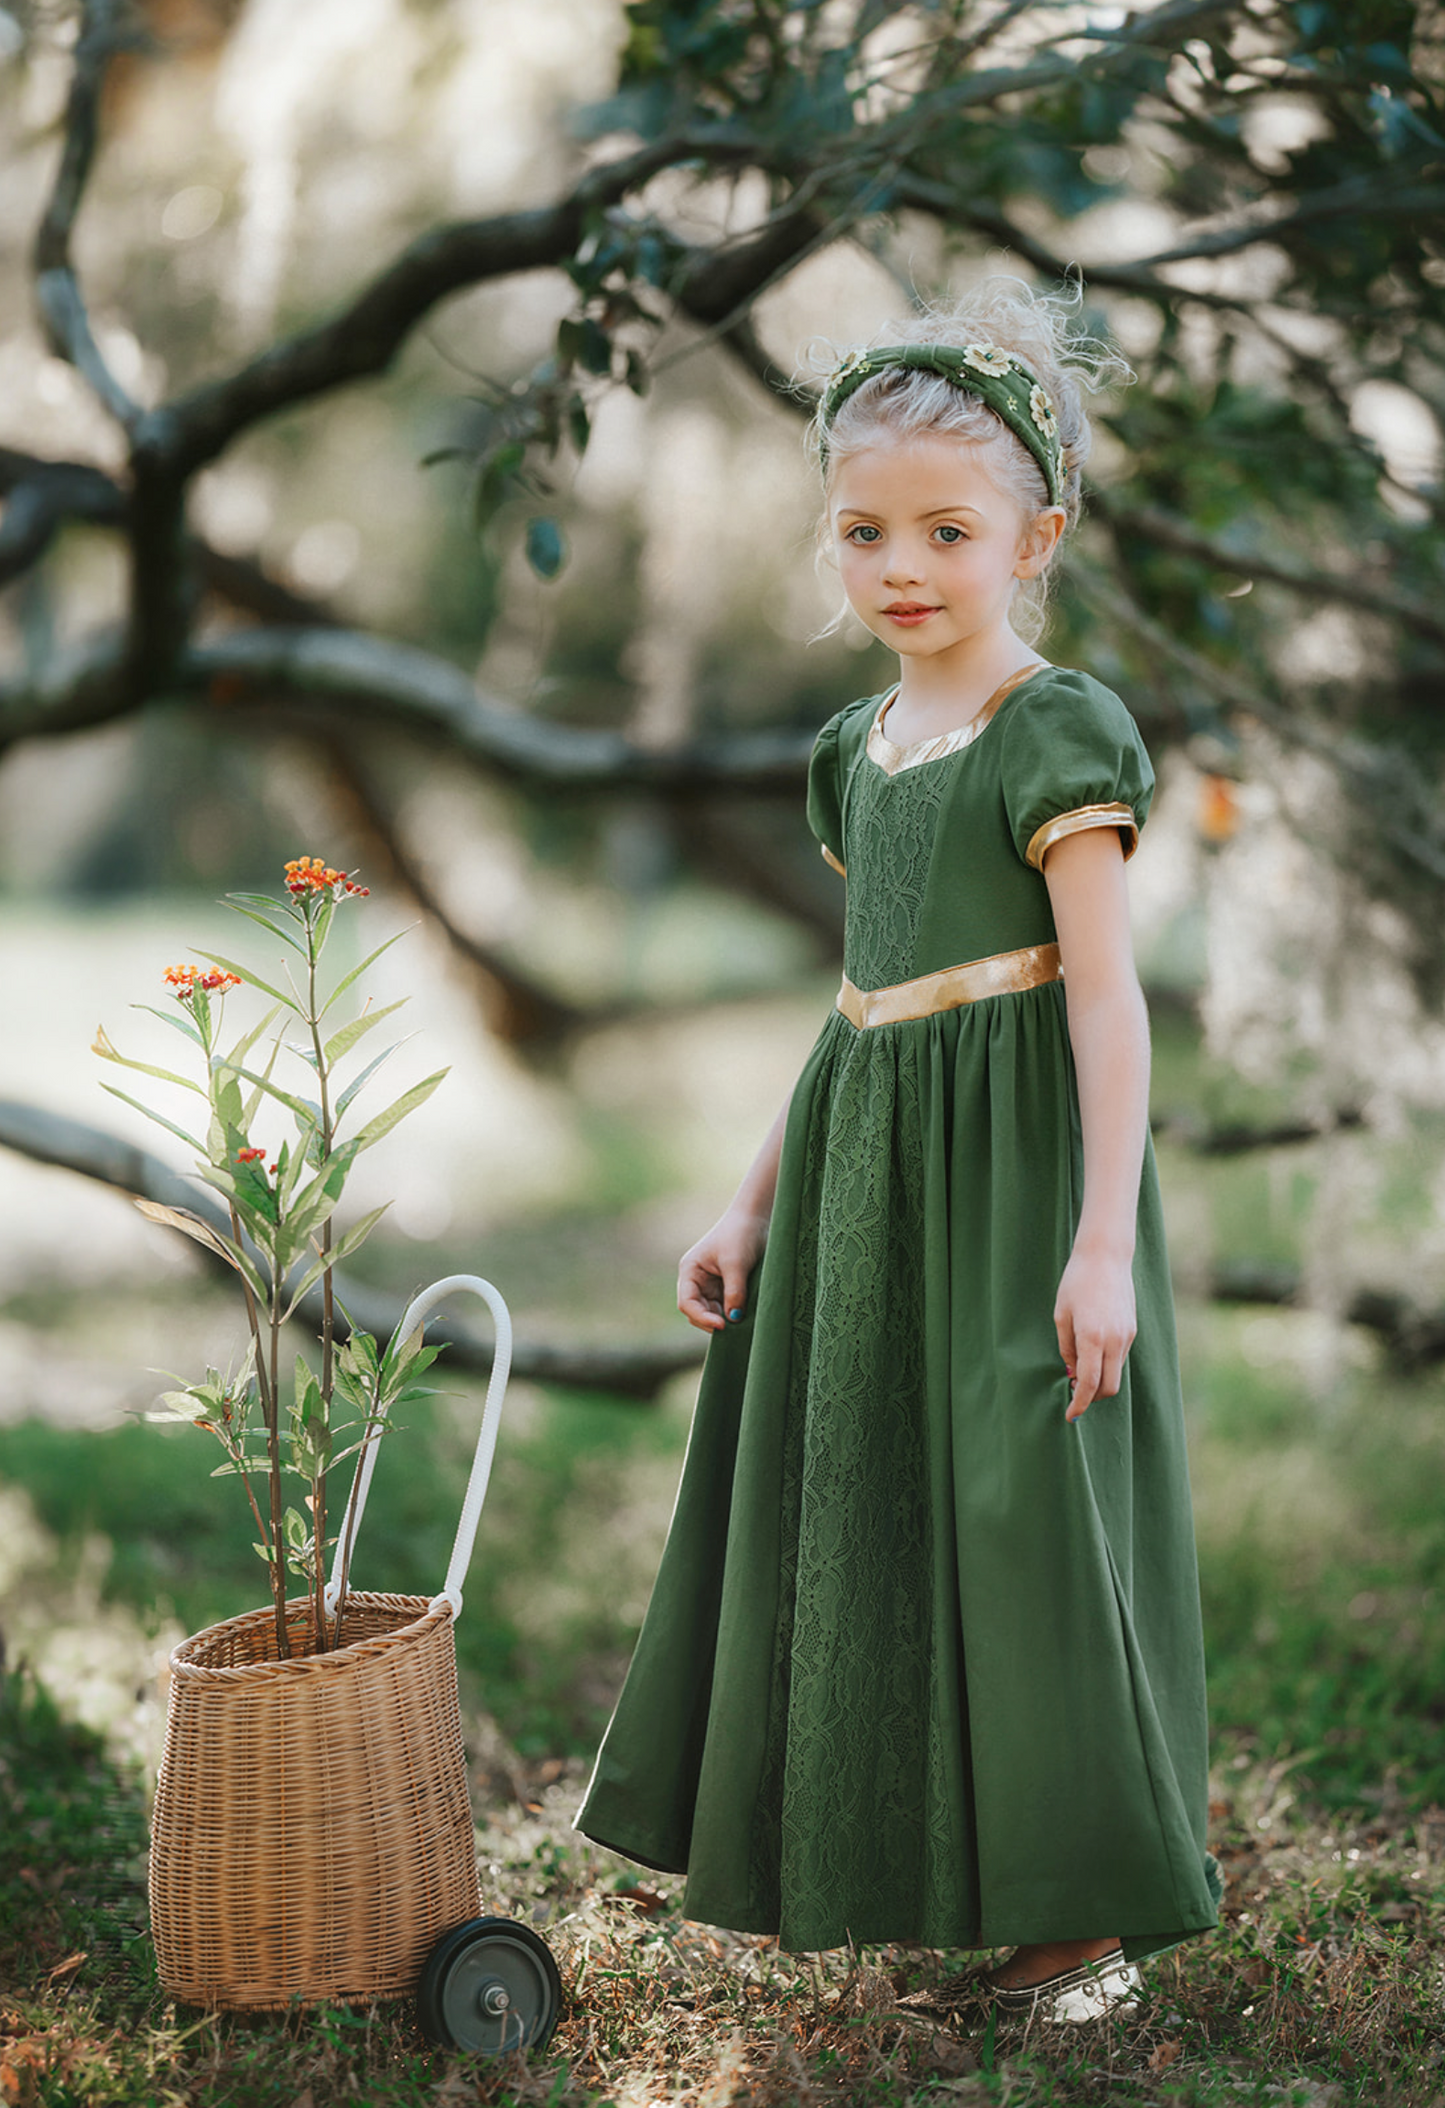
{"x": 306, "y": 427}
{"x": 399, "y": 454}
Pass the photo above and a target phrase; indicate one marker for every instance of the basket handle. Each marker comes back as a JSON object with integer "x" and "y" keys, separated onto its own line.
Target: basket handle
{"x": 413, "y": 1320}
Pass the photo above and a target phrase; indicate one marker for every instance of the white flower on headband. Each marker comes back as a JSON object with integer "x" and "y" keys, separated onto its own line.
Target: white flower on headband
{"x": 986, "y": 358}
{"x": 846, "y": 365}
{"x": 1041, "y": 409}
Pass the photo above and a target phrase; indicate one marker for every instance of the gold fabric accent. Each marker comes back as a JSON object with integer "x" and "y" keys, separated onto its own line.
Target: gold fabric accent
{"x": 829, "y": 858}
{"x": 1118, "y": 816}
{"x": 893, "y": 759}
{"x": 1006, "y": 973}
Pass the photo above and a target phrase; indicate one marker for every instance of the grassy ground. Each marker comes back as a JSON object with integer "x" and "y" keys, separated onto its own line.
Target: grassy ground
{"x": 1322, "y": 1542}
{"x": 1323, "y": 1987}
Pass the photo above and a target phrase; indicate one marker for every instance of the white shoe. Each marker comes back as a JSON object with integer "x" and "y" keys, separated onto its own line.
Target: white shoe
{"x": 1083, "y": 1993}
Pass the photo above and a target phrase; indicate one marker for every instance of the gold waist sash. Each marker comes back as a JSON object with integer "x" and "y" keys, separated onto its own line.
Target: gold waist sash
{"x": 1006, "y": 973}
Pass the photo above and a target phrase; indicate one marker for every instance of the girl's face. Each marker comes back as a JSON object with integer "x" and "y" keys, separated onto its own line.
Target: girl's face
{"x": 930, "y": 548}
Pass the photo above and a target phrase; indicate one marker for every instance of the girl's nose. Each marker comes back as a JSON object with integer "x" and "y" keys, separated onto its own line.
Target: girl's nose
{"x": 902, "y": 567}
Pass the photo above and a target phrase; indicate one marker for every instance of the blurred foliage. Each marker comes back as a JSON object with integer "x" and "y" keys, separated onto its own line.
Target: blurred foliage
{"x": 1249, "y": 190}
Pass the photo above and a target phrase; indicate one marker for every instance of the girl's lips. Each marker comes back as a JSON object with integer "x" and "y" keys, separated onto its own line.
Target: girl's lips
{"x": 909, "y": 612}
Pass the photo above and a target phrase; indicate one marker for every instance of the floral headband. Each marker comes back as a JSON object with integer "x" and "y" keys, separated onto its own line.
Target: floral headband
{"x": 996, "y": 377}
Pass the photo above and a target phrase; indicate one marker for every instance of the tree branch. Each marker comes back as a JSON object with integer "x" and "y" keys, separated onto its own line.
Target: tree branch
{"x": 364, "y": 337}
{"x": 326, "y": 670}
{"x": 1414, "y": 1338}
{"x": 57, "y": 290}
{"x": 48, "y": 1138}
{"x": 40, "y": 496}
{"x": 400, "y": 684}
{"x": 1163, "y": 531}
{"x": 517, "y": 1008}
{"x": 1403, "y": 811}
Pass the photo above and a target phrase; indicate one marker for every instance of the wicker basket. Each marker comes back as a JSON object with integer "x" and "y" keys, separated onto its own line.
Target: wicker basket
{"x": 312, "y": 1835}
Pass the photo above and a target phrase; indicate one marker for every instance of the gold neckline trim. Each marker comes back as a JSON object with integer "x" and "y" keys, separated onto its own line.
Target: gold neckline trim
{"x": 893, "y": 759}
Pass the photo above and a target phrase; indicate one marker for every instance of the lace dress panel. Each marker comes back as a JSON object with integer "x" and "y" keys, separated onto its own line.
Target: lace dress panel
{"x": 892, "y": 822}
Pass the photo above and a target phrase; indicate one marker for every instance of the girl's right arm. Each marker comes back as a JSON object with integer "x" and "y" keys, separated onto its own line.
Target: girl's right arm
{"x": 712, "y": 1279}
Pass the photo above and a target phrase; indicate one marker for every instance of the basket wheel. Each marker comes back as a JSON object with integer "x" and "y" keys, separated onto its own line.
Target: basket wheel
{"x": 489, "y": 1986}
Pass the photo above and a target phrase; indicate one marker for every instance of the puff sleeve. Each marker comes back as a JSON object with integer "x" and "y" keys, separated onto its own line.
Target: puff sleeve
{"x": 1072, "y": 759}
{"x": 825, "y": 793}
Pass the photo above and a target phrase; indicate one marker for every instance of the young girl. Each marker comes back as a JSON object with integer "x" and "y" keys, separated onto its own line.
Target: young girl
{"x": 923, "y": 1659}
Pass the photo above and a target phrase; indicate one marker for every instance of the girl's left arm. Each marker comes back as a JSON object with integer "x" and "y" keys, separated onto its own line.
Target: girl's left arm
{"x": 1109, "y": 1033}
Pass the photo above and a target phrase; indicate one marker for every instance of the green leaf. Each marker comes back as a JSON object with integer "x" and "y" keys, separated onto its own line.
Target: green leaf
{"x": 546, "y": 550}
{"x": 180, "y": 1405}
{"x": 253, "y": 1191}
{"x": 398, "y": 1110}
{"x": 357, "y": 971}
{"x": 355, "y": 1237}
{"x": 190, "y": 1226}
{"x": 103, "y": 1045}
{"x": 253, "y": 1104}
{"x": 358, "y": 1083}
{"x": 343, "y": 1041}
{"x": 252, "y": 980}
{"x": 308, "y": 1113}
{"x": 236, "y": 900}
{"x": 175, "y": 1018}
{"x": 318, "y": 923}
{"x": 159, "y": 1118}
{"x": 224, "y": 1247}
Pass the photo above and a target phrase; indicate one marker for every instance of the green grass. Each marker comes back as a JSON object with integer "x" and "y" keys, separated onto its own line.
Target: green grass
{"x": 1317, "y": 1474}
{"x": 1322, "y": 1987}
{"x": 550, "y": 1611}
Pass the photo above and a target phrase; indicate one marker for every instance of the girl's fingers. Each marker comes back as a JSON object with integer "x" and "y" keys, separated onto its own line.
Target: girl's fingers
{"x": 734, "y": 1293}
{"x": 1087, "y": 1371}
{"x": 1098, "y": 1374}
{"x": 699, "y": 1298}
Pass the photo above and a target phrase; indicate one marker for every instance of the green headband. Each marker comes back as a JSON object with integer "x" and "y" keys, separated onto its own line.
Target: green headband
{"x": 995, "y": 377}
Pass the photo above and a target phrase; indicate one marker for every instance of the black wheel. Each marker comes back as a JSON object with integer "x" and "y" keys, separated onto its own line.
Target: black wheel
{"x": 490, "y": 1986}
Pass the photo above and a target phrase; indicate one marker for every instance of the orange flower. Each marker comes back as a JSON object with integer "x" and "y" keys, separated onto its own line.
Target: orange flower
{"x": 185, "y": 980}
{"x": 1218, "y": 809}
{"x": 308, "y": 874}
{"x": 249, "y": 1156}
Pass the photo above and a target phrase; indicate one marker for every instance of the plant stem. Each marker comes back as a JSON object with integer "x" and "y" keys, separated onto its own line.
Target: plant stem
{"x": 273, "y": 1446}
{"x": 266, "y": 1385}
{"x": 238, "y": 1458}
{"x": 328, "y": 1318}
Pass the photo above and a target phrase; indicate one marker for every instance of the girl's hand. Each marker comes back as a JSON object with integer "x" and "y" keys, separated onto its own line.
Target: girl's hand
{"x": 712, "y": 1278}
{"x": 1094, "y": 1317}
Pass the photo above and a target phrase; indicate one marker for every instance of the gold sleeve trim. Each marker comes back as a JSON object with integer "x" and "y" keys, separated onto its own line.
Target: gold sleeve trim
{"x": 829, "y": 858}
{"x": 1119, "y": 816}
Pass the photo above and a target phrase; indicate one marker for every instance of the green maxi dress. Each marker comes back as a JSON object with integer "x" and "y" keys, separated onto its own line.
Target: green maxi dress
{"x": 923, "y": 1659}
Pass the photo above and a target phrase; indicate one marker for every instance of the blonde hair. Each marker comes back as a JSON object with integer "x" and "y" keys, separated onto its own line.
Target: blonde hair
{"x": 1043, "y": 332}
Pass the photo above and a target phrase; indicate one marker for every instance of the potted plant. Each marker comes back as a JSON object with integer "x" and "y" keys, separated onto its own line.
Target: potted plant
{"x": 312, "y": 1835}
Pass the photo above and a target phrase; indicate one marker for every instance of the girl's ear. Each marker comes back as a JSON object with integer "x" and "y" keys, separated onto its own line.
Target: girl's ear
{"x": 1040, "y": 542}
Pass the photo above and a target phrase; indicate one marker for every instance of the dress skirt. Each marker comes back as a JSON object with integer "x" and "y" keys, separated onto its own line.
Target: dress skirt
{"x": 923, "y": 1659}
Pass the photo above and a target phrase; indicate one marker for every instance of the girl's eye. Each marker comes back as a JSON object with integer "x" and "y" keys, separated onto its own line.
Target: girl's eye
{"x": 864, "y": 533}
{"x": 950, "y": 534}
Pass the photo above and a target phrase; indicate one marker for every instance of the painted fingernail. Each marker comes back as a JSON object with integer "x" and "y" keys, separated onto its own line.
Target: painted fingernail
{"x": 735, "y": 1317}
